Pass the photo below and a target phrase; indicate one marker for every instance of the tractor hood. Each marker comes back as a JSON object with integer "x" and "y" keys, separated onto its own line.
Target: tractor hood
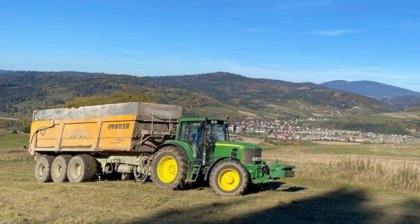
{"x": 245, "y": 152}
{"x": 239, "y": 145}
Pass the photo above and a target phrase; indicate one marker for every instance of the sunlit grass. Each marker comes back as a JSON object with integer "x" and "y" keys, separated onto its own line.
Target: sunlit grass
{"x": 365, "y": 172}
{"x": 331, "y": 190}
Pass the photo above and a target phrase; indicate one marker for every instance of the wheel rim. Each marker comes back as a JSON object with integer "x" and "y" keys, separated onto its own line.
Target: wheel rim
{"x": 77, "y": 170}
{"x": 167, "y": 169}
{"x": 228, "y": 179}
{"x": 59, "y": 169}
{"x": 41, "y": 170}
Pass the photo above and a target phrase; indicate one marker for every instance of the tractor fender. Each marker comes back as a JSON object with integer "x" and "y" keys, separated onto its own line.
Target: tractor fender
{"x": 216, "y": 162}
{"x": 177, "y": 145}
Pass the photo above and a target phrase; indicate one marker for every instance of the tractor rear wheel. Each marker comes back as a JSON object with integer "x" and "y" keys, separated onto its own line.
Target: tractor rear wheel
{"x": 169, "y": 168}
{"x": 229, "y": 177}
{"x": 59, "y": 168}
{"x": 81, "y": 168}
{"x": 43, "y": 168}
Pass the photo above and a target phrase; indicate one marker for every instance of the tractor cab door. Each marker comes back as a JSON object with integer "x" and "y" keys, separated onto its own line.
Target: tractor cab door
{"x": 194, "y": 134}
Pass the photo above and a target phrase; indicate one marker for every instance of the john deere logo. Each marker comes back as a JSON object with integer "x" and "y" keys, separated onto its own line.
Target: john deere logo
{"x": 118, "y": 126}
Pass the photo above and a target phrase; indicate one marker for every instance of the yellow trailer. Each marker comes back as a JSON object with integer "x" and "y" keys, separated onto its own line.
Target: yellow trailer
{"x": 79, "y": 144}
{"x": 124, "y": 127}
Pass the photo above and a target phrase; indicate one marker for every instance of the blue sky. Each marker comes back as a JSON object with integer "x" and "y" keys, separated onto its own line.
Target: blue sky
{"x": 299, "y": 41}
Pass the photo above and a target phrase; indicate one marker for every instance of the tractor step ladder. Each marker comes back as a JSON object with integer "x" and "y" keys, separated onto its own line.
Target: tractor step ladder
{"x": 196, "y": 167}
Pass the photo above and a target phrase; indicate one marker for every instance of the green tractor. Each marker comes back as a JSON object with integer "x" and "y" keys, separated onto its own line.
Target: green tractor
{"x": 201, "y": 149}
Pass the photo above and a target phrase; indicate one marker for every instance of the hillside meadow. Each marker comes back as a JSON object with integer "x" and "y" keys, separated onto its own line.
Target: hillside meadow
{"x": 334, "y": 183}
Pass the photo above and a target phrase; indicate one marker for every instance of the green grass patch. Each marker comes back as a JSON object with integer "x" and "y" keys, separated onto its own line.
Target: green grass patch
{"x": 14, "y": 141}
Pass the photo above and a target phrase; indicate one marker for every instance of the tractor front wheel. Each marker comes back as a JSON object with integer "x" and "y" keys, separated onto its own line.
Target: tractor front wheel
{"x": 229, "y": 177}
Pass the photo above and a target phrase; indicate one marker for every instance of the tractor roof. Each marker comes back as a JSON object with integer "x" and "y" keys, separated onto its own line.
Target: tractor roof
{"x": 199, "y": 119}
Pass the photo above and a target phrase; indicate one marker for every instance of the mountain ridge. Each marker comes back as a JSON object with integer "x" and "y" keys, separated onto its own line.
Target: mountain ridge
{"x": 370, "y": 88}
{"x": 4, "y": 71}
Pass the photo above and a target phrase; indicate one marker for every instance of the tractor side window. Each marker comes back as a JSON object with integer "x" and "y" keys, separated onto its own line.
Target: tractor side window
{"x": 191, "y": 132}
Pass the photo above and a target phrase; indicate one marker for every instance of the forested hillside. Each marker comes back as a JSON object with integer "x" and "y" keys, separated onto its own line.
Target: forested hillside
{"x": 213, "y": 94}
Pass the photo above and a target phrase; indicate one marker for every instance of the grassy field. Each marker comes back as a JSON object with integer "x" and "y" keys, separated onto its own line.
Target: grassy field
{"x": 333, "y": 184}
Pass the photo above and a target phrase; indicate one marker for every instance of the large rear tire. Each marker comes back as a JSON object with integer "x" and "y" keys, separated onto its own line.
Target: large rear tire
{"x": 229, "y": 177}
{"x": 81, "y": 168}
{"x": 169, "y": 168}
{"x": 43, "y": 168}
{"x": 59, "y": 168}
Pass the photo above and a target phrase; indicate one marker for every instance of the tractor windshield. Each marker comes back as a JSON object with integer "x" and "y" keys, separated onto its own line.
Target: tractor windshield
{"x": 217, "y": 130}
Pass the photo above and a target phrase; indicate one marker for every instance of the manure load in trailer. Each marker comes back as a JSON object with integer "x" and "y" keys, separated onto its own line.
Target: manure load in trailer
{"x": 125, "y": 127}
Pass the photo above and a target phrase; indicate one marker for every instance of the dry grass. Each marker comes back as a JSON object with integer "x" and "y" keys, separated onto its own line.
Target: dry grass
{"x": 389, "y": 167}
{"x": 315, "y": 197}
{"x": 379, "y": 174}
{"x": 335, "y": 143}
{"x": 23, "y": 200}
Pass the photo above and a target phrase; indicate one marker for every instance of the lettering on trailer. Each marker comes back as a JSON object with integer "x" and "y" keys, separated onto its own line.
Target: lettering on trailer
{"x": 118, "y": 126}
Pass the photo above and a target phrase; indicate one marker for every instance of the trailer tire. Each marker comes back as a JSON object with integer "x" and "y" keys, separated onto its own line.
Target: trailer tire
{"x": 81, "y": 168}
{"x": 229, "y": 177}
{"x": 43, "y": 168}
{"x": 59, "y": 168}
{"x": 127, "y": 176}
{"x": 169, "y": 168}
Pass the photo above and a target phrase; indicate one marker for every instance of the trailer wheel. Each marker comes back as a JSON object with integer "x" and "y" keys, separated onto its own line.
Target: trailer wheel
{"x": 229, "y": 177}
{"x": 43, "y": 168}
{"x": 127, "y": 176}
{"x": 59, "y": 168}
{"x": 169, "y": 168}
{"x": 81, "y": 168}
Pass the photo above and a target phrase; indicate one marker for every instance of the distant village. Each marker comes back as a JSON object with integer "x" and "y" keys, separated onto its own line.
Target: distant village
{"x": 291, "y": 131}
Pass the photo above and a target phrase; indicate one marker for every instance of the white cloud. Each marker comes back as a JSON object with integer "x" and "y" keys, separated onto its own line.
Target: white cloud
{"x": 336, "y": 32}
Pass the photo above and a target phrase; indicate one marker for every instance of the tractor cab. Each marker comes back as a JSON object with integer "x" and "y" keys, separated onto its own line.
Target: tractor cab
{"x": 202, "y": 134}
{"x": 209, "y": 141}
